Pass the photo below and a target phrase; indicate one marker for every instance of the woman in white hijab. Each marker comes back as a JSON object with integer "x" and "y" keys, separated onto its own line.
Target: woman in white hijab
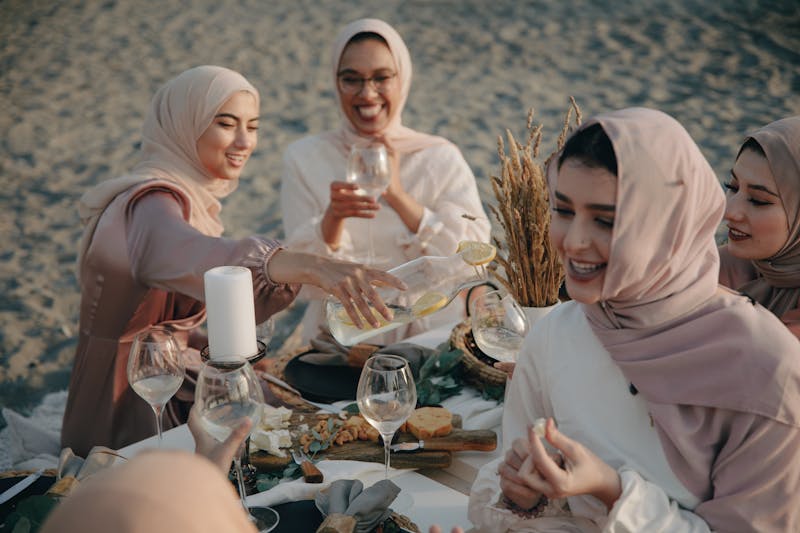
{"x": 432, "y": 202}
{"x": 151, "y": 235}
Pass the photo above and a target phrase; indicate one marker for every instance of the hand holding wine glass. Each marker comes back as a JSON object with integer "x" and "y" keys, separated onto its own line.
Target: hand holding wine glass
{"x": 369, "y": 168}
{"x": 224, "y": 398}
{"x": 155, "y": 369}
{"x": 498, "y": 325}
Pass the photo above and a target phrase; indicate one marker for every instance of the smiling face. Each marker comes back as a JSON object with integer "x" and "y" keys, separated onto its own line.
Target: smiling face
{"x": 583, "y": 219}
{"x": 227, "y": 143}
{"x": 757, "y": 223}
{"x": 368, "y": 110}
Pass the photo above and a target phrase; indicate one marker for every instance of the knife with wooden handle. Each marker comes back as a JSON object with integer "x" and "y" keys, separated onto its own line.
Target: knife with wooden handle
{"x": 311, "y": 474}
{"x": 478, "y": 440}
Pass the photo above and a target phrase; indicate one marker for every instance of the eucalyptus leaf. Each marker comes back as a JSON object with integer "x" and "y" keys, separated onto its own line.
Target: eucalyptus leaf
{"x": 315, "y": 446}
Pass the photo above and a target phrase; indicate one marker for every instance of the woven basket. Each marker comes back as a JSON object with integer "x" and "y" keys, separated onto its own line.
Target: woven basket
{"x": 478, "y": 369}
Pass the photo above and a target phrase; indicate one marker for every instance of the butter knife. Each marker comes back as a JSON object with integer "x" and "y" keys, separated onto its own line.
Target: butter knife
{"x": 20, "y": 486}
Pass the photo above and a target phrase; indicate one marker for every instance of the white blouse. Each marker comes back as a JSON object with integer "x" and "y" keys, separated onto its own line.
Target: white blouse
{"x": 564, "y": 372}
{"x": 437, "y": 177}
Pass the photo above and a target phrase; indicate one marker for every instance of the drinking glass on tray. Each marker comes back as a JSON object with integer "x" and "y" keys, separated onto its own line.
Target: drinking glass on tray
{"x": 155, "y": 369}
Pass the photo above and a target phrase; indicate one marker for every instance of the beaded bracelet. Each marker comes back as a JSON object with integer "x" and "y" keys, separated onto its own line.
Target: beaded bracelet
{"x": 533, "y": 512}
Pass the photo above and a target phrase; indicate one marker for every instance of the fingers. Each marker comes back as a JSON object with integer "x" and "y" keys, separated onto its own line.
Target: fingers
{"x": 568, "y": 447}
{"x": 519, "y": 493}
{"x": 435, "y": 529}
{"x": 521, "y": 448}
{"x": 546, "y": 467}
{"x": 506, "y": 367}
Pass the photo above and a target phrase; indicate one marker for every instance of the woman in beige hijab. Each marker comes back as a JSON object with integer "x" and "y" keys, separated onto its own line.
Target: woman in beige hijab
{"x": 677, "y": 401}
{"x": 762, "y": 257}
{"x": 150, "y": 236}
{"x": 432, "y": 202}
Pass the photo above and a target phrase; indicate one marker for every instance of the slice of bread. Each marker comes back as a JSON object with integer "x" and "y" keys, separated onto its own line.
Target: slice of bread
{"x": 429, "y": 422}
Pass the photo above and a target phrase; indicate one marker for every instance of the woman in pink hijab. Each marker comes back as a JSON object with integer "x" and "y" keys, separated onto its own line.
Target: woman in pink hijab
{"x": 677, "y": 400}
{"x": 762, "y": 257}
{"x": 432, "y": 202}
{"x": 151, "y": 235}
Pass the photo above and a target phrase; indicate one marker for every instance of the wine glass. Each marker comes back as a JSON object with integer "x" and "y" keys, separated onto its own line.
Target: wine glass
{"x": 265, "y": 331}
{"x": 368, "y": 167}
{"x": 498, "y": 325}
{"x": 224, "y": 396}
{"x": 155, "y": 369}
{"x": 386, "y": 396}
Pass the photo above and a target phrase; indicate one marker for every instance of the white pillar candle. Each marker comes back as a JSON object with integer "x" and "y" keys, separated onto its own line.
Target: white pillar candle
{"x": 231, "y": 313}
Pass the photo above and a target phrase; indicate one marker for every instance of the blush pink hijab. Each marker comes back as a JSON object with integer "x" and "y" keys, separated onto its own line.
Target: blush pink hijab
{"x": 721, "y": 376}
{"x": 402, "y": 139}
{"x": 778, "y": 287}
{"x": 181, "y": 110}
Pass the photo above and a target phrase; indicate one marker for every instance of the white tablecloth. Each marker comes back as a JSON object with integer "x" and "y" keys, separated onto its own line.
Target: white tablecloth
{"x": 440, "y": 496}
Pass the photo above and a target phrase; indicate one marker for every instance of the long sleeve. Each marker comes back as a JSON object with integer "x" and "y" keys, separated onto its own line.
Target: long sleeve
{"x": 168, "y": 253}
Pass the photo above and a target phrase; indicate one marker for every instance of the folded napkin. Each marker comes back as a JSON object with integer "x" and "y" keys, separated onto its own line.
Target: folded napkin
{"x": 328, "y": 351}
{"x": 296, "y": 490}
{"x": 369, "y": 507}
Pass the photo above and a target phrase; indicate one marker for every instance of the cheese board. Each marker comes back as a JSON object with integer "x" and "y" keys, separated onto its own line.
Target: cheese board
{"x": 437, "y": 452}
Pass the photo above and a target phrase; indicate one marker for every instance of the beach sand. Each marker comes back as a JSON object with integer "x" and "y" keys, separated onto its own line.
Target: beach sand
{"x": 76, "y": 78}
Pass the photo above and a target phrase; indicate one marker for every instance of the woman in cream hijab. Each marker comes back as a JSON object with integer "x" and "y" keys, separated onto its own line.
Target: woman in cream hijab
{"x": 151, "y": 235}
{"x": 432, "y": 202}
{"x": 762, "y": 257}
{"x": 677, "y": 401}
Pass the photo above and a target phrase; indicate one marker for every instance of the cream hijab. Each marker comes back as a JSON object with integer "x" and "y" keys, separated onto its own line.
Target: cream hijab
{"x": 403, "y": 139}
{"x": 158, "y": 491}
{"x": 704, "y": 358}
{"x": 778, "y": 287}
{"x": 181, "y": 110}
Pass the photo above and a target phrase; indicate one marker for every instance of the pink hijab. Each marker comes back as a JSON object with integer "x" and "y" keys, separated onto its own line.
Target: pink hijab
{"x": 778, "y": 287}
{"x": 403, "y": 139}
{"x": 181, "y": 110}
{"x": 721, "y": 376}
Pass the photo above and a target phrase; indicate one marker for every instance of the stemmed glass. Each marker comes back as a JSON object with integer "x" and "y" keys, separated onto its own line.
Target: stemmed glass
{"x": 386, "y": 397}
{"x": 368, "y": 167}
{"x": 155, "y": 369}
{"x": 224, "y": 396}
{"x": 498, "y": 325}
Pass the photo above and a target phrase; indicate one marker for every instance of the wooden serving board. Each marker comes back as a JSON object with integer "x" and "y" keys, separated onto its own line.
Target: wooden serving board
{"x": 370, "y": 451}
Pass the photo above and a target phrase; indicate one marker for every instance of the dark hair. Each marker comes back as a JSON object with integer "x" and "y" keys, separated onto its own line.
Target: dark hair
{"x": 366, "y": 36}
{"x": 592, "y": 147}
{"x": 752, "y": 144}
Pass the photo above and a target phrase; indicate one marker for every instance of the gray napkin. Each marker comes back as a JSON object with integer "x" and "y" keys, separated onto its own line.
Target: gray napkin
{"x": 328, "y": 351}
{"x": 369, "y": 507}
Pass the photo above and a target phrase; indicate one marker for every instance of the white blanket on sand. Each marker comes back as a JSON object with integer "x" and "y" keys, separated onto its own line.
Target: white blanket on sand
{"x": 30, "y": 443}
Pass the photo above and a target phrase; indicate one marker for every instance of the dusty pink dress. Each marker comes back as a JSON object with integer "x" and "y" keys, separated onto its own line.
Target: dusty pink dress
{"x": 150, "y": 237}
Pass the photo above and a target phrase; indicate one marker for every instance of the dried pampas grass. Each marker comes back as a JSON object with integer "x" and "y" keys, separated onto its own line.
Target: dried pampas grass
{"x": 531, "y": 269}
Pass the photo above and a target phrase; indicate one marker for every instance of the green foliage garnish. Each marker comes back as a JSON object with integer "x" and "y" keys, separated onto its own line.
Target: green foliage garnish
{"x": 440, "y": 376}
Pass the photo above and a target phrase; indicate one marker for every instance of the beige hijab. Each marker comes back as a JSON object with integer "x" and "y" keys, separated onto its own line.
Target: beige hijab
{"x": 778, "y": 287}
{"x": 159, "y": 491}
{"x": 403, "y": 139}
{"x": 181, "y": 110}
{"x": 707, "y": 361}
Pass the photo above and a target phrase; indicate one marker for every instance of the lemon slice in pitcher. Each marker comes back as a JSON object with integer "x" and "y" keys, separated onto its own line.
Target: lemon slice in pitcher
{"x": 476, "y": 253}
{"x": 428, "y": 303}
{"x": 344, "y": 318}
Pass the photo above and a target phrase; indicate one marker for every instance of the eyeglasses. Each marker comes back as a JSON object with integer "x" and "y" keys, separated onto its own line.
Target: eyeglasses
{"x": 352, "y": 84}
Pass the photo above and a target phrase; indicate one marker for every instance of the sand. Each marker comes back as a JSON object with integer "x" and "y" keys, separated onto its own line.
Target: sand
{"x": 76, "y": 78}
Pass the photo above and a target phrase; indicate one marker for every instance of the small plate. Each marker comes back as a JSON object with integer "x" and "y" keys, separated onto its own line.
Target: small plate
{"x": 322, "y": 383}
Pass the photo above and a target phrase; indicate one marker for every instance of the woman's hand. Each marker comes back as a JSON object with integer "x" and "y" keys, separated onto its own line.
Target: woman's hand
{"x": 219, "y": 453}
{"x": 582, "y": 473}
{"x": 408, "y": 209}
{"x": 506, "y": 367}
{"x": 514, "y": 486}
{"x": 352, "y": 283}
{"x": 435, "y": 528}
{"x": 345, "y": 202}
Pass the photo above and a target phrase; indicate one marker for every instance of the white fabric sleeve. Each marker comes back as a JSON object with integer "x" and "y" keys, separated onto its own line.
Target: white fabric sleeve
{"x": 644, "y": 506}
{"x": 455, "y": 214}
{"x": 303, "y": 212}
{"x": 526, "y": 400}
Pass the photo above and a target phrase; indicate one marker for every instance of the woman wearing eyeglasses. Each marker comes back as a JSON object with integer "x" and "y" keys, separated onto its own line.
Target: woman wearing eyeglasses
{"x": 432, "y": 202}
